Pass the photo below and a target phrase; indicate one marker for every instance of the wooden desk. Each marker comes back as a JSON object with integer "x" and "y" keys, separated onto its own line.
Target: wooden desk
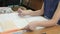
{"x": 50, "y": 30}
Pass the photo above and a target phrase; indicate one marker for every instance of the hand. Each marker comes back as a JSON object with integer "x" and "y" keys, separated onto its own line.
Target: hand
{"x": 31, "y": 26}
{"x": 24, "y": 12}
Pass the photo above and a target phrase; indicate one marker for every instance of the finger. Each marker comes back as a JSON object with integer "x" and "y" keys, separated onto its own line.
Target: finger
{"x": 19, "y": 14}
{"x": 32, "y": 28}
{"x": 20, "y": 10}
{"x": 27, "y": 29}
{"x": 23, "y": 14}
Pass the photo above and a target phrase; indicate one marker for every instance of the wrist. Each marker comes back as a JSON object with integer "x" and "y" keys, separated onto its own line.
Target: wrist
{"x": 53, "y": 21}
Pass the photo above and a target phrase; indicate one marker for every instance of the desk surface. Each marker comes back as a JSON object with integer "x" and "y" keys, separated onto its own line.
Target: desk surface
{"x": 49, "y": 30}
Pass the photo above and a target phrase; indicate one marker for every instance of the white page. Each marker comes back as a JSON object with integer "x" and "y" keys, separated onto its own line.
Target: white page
{"x": 5, "y": 10}
{"x": 12, "y": 21}
{"x": 1, "y": 30}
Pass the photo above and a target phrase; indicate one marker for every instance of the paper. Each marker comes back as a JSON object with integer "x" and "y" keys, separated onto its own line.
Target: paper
{"x": 5, "y": 10}
{"x": 12, "y": 20}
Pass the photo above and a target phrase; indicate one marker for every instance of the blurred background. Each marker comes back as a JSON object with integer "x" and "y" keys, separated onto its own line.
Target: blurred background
{"x": 15, "y": 4}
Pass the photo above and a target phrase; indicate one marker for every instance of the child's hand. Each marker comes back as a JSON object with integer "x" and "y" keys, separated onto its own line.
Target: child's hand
{"x": 24, "y": 12}
{"x": 31, "y": 26}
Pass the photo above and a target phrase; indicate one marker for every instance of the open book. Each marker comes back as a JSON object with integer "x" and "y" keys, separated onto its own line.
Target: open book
{"x": 13, "y": 21}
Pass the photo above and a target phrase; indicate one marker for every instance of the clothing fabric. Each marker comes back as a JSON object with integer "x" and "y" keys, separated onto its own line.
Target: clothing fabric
{"x": 50, "y": 7}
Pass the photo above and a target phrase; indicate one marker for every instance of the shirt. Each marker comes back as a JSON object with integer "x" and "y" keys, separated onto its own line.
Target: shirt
{"x": 50, "y": 7}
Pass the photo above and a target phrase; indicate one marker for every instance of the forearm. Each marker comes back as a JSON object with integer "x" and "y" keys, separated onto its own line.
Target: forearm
{"x": 46, "y": 23}
{"x": 56, "y": 16}
{"x": 53, "y": 21}
{"x": 38, "y": 12}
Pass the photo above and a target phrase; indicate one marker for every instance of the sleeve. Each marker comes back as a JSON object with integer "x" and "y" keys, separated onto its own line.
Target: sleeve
{"x": 50, "y": 7}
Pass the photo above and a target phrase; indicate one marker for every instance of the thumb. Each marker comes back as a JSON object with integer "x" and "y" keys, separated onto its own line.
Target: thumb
{"x": 32, "y": 28}
{"x": 20, "y": 10}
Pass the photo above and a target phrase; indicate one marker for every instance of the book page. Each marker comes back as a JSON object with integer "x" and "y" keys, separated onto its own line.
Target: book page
{"x": 13, "y": 21}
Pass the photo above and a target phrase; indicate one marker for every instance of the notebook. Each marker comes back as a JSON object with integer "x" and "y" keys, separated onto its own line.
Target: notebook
{"x": 12, "y": 21}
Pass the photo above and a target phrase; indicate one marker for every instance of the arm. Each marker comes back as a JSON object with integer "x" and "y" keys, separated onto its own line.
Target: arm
{"x": 38, "y": 12}
{"x": 53, "y": 21}
{"x": 30, "y": 12}
{"x": 56, "y": 16}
